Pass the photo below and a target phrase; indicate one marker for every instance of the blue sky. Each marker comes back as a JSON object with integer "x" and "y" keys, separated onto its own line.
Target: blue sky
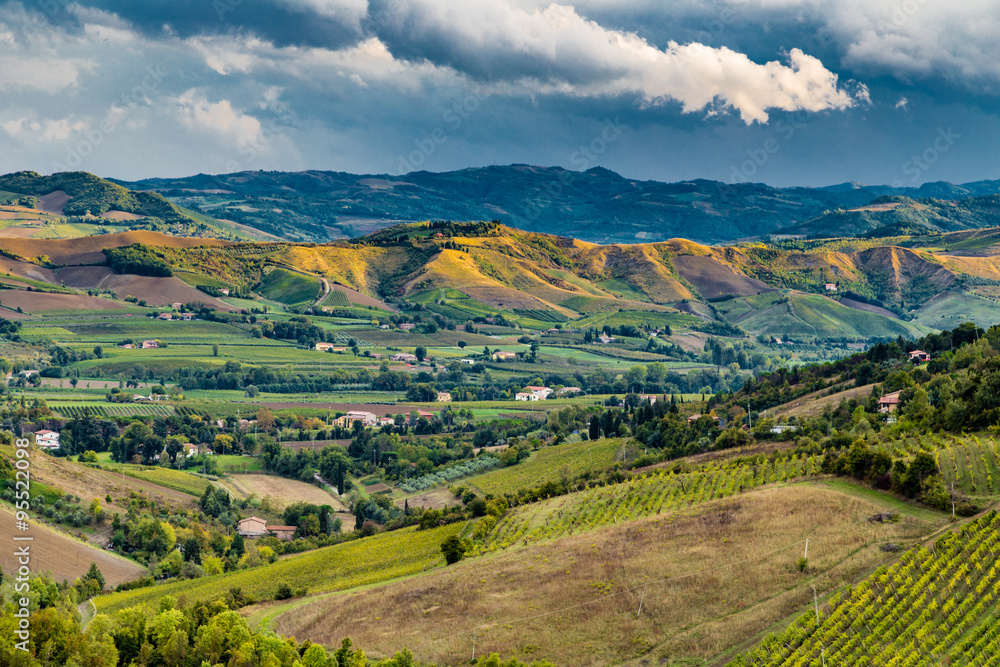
{"x": 787, "y": 92}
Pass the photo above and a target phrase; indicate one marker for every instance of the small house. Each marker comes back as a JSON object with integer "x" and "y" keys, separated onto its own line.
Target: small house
{"x": 525, "y": 396}
{"x": 444, "y": 397}
{"x": 407, "y": 326}
{"x": 164, "y": 316}
{"x": 569, "y": 390}
{"x": 919, "y": 356}
{"x": 831, "y": 287}
{"x": 147, "y": 344}
{"x": 47, "y": 439}
{"x": 888, "y": 403}
{"x": 606, "y": 339}
{"x": 541, "y": 392}
{"x": 502, "y": 355}
{"x": 252, "y": 526}
{"x": 404, "y": 356}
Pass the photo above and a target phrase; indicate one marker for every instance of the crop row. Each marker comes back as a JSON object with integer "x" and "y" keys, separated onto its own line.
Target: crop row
{"x": 116, "y": 410}
{"x": 356, "y": 563}
{"x": 647, "y": 495}
{"x": 550, "y": 463}
{"x": 935, "y": 606}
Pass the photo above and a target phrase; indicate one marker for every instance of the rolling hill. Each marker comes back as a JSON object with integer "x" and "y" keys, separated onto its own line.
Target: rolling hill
{"x": 463, "y": 271}
{"x": 91, "y": 203}
{"x": 597, "y": 205}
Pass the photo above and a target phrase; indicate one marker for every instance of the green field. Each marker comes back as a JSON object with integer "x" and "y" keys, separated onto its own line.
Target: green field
{"x": 356, "y": 563}
{"x": 799, "y": 314}
{"x": 954, "y": 309}
{"x": 288, "y": 286}
{"x": 76, "y": 409}
{"x": 178, "y": 480}
{"x": 549, "y": 463}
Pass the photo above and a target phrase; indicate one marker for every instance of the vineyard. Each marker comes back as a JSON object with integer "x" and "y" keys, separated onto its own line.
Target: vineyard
{"x": 463, "y": 469}
{"x": 648, "y": 495}
{"x": 356, "y": 563}
{"x": 72, "y": 411}
{"x": 337, "y": 299}
{"x": 167, "y": 477}
{"x": 550, "y": 463}
{"x": 934, "y": 606}
{"x": 970, "y": 462}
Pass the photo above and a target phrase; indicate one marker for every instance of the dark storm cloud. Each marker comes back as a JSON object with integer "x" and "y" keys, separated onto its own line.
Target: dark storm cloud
{"x": 285, "y": 23}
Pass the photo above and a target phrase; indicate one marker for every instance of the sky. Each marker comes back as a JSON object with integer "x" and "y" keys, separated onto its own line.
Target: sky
{"x": 784, "y": 92}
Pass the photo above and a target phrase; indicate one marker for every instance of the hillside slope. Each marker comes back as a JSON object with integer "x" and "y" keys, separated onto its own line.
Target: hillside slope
{"x": 597, "y": 205}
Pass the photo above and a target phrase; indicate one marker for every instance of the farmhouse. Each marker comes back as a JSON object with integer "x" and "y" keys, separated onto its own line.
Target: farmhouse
{"x": 652, "y": 398}
{"x": 190, "y": 449}
{"x": 831, "y": 287}
{"x": 525, "y": 396}
{"x": 403, "y": 356}
{"x": 444, "y": 397}
{"x": 468, "y": 361}
{"x": 919, "y": 356}
{"x": 606, "y": 339}
{"x": 888, "y": 403}
{"x": 284, "y": 533}
{"x": 47, "y": 439}
{"x": 27, "y": 374}
{"x": 187, "y": 317}
{"x": 501, "y": 355}
{"x": 147, "y": 344}
{"x": 164, "y": 316}
{"x": 569, "y": 390}
{"x": 386, "y": 421}
{"x": 407, "y": 326}
{"x": 541, "y": 392}
{"x": 328, "y": 347}
{"x": 252, "y": 526}
{"x": 366, "y": 418}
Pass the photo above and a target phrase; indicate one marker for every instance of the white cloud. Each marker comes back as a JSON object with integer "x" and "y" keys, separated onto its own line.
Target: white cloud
{"x": 48, "y": 73}
{"x": 47, "y": 130}
{"x": 902, "y": 103}
{"x": 555, "y": 50}
{"x": 218, "y": 119}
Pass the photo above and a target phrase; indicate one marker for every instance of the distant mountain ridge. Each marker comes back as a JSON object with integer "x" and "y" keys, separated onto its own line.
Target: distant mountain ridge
{"x": 596, "y": 205}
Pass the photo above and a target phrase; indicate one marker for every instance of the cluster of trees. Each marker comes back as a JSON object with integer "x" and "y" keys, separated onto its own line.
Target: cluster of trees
{"x": 138, "y": 259}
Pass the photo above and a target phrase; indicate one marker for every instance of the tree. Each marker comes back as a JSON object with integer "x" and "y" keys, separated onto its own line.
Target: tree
{"x": 98, "y": 352}
{"x": 454, "y": 549}
{"x": 94, "y": 574}
{"x": 265, "y": 420}
{"x": 215, "y": 349}
{"x": 359, "y": 516}
{"x": 252, "y": 391}
{"x": 420, "y": 352}
{"x": 462, "y": 344}
{"x": 96, "y": 511}
{"x": 192, "y": 550}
